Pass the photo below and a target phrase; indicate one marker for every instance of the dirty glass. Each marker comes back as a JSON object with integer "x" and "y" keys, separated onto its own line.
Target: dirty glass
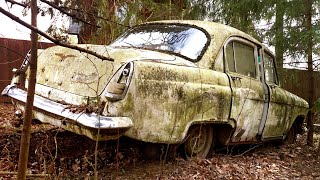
{"x": 269, "y": 69}
{"x": 245, "y": 60}
{"x": 230, "y": 58}
{"x": 179, "y": 39}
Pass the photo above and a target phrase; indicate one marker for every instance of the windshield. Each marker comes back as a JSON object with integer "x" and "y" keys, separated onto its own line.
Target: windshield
{"x": 180, "y": 39}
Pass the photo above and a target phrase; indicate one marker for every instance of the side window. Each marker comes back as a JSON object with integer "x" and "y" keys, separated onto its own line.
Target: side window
{"x": 230, "y": 57}
{"x": 240, "y": 58}
{"x": 269, "y": 68}
{"x": 245, "y": 61}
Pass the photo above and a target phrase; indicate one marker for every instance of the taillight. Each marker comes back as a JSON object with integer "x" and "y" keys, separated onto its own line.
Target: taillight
{"x": 19, "y": 75}
{"x": 119, "y": 83}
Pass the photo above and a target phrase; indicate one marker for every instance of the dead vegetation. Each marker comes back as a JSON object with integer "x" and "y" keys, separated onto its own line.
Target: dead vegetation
{"x": 65, "y": 155}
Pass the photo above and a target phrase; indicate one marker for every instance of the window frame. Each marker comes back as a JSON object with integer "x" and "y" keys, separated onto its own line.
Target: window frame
{"x": 244, "y": 42}
{"x": 265, "y": 51}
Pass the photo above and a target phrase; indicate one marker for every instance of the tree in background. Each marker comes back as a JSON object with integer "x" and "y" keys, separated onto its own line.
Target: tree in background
{"x": 292, "y": 27}
{"x": 309, "y": 46}
{"x": 101, "y": 22}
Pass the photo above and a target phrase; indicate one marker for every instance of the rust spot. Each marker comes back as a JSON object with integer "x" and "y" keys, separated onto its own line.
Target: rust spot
{"x": 63, "y": 56}
{"x": 84, "y": 78}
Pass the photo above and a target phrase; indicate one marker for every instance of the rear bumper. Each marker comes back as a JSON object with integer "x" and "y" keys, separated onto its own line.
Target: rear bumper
{"x": 62, "y": 115}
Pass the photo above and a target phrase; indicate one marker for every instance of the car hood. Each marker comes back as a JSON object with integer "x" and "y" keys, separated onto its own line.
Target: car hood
{"x": 82, "y": 74}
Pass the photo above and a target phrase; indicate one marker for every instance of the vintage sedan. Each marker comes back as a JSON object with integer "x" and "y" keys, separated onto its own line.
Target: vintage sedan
{"x": 193, "y": 83}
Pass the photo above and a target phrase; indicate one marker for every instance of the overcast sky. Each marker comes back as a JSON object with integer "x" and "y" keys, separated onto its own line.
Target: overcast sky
{"x": 12, "y": 29}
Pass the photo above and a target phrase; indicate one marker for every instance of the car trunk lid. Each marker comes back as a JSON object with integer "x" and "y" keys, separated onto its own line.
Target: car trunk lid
{"x": 74, "y": 72}
{"x": 69, "y": 72}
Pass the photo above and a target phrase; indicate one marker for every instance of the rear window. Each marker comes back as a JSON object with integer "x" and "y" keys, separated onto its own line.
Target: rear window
{"x": 183, "y": 40}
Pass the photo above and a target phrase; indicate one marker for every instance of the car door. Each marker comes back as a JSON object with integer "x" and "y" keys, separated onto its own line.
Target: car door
{"x": 279, "y": 109}
{"x": 247, "y": 90}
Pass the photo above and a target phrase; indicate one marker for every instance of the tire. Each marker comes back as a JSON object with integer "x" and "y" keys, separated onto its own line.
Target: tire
{"x": 199, "y": 141}
{"x": 291, "y": 136}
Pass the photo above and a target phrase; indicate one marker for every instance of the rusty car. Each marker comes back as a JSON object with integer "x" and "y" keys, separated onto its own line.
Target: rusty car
{"x": 193, "y": 83}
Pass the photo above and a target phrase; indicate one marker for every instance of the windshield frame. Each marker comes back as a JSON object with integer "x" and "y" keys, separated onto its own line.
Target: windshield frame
{"x": 205, "y": 47}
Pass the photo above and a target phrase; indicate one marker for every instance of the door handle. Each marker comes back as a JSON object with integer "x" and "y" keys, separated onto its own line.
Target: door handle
{"x": 235, "y": 78}
{"x": 272, "y": 86}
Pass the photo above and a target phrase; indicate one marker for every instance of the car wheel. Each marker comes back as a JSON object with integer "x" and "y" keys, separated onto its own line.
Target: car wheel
{"x": 291, "y": 136}
{"x": 199, "y": 141}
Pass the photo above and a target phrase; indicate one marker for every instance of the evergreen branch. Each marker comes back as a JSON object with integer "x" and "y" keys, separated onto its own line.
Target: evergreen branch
{"x": 316, "y": 66}
{"x": 95, "y": 16}
{"x": 299, "y": 62}
{"x": 17, "y": 3}
{"x": 67, "y": 13}
{"x": 54, "y": 40}
{"x": 296, "y": 52}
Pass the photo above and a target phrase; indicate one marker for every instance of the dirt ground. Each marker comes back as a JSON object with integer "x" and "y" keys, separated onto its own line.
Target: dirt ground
{"x": 64, "y": 155}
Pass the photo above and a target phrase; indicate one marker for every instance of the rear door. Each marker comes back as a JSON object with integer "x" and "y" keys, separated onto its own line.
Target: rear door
{"x": 279, "y": 109}
{"x": 241, "y": 57}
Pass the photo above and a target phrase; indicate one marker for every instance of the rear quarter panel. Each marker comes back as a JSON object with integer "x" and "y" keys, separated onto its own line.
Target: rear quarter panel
{"x": 164, "y": 100}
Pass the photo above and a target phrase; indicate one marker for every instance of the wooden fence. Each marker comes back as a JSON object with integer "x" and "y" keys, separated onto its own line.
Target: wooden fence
{"x": 297, "y": 82}
{"x": 12, "y": 53}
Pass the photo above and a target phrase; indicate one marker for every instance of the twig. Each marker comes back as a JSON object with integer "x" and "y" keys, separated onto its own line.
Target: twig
{"x": 67, "y": 13}
{"x": 7, "y": 173}
{"x": 247, "y": 150}
{"x": 54, "y": 40}
{"x": 17, "y": 3}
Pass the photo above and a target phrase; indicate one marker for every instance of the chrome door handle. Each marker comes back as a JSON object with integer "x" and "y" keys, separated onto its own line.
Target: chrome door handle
{"x": 272, "y": 86}
{"x": 235, "y": 78}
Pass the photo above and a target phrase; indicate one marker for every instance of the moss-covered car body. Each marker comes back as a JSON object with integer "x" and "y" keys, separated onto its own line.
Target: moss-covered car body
{"x": 222, "y": 78}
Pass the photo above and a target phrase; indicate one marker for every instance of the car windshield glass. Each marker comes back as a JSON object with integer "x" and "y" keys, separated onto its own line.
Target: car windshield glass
{"x": 180, "y": 39}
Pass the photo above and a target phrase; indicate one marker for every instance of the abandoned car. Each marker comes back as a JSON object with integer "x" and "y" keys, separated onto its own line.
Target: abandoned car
{"x": 193, "y": 83}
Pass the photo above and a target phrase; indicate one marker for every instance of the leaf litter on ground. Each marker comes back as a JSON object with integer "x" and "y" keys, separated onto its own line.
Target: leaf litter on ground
{"x": 72, "y": 156}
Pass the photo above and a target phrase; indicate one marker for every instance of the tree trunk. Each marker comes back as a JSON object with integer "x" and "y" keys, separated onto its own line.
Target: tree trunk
{"x": 25, "y": 135}
{"x": 279, "y": 47}
{"x": 308, "y": 15}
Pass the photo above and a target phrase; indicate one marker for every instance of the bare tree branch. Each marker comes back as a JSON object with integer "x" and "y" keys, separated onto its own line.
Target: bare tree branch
{"x": 95, "y": 16}
{"x": 17, "y": 3}
{"x": 54, "y": 40}
{"x": 67, "y": 13}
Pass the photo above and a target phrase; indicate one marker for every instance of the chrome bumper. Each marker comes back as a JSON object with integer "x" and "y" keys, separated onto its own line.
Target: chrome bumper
{"x": 88, "y": 120}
